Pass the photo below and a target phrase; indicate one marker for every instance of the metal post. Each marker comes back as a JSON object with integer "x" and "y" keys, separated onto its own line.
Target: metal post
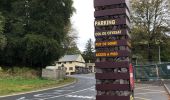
{"x": 159, "y": 55}
{"x": 157, "y": 71}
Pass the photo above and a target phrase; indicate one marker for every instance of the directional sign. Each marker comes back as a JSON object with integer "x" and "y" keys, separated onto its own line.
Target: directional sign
{"x": 113, "y": 48}
{"x": 113, "y": 43}
{"x": 119, "y": 53}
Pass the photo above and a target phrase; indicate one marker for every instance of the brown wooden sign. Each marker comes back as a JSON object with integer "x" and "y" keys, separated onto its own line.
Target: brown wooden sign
{"x": 103, "y": 33}
{"x": 106, "y": 97}
{"x": 111, "y": 22}
{"x": 112, "y": 12}
{"x": 100, "y": 3}
{"x": 113, "y": 50}
{"x": 121, "y": 53}
{"x": 101, "y": 65}
{"x": 113, "y": 43}
{"x": 109, "y": 76}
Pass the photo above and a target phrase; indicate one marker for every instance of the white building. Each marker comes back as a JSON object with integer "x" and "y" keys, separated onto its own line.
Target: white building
{"x": 72, "y": 63}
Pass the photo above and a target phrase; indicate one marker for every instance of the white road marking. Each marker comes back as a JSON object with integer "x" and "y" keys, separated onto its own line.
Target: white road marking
{"x": 45, "y": 95}
{"x": 152, "y": 90}
{"x": 142, "y": 98}
{"x": 82, "y": 97}
{"x": 149, "y": 93}
{"x": 63, "y": 90}
{"x": 92, "y": 89}
{"x": 68, "y": 93}
{"x": 48, "y": 94}
{"x": 22, "y": 98}
{"x": 147, "y": 87}
{"x": 38, "y": 90}
{"x": 84, "y": 77}
{"x": 69, "y": 87}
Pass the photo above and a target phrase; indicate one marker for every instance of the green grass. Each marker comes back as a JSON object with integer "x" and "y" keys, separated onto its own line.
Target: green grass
{"x": 16, "y": 85}
{"x": 23, "y": 79}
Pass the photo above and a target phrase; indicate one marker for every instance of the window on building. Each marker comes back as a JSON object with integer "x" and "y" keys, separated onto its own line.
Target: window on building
{"x": 90, "y": 67}
{"x": 70, "y": 62}
{"x": 59, "y": 62}
{"x": 71, "y": 68}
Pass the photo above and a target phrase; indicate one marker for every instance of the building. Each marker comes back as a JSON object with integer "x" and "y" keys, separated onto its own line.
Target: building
{"x": 91, "y": 67}
{"x": 74, "y": 64}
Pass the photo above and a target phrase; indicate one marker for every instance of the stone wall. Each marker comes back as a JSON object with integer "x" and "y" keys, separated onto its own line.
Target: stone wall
{"x": 53, "y": 73}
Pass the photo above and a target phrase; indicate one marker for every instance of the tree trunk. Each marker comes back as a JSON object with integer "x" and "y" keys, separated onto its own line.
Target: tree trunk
{"x": 149, "y": 53}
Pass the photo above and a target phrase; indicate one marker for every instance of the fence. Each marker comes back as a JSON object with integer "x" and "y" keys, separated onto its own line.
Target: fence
{"x": 152, "y": 71}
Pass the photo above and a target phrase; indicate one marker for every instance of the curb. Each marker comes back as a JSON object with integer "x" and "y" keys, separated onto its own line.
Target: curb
{"x": 39, "y": 90}
{"x": 167, "y": 89}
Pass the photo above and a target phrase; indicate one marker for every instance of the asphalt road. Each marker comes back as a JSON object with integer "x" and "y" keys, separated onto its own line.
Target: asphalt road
{"x": 84, "y": 90}
{"x": 151, "y": 91}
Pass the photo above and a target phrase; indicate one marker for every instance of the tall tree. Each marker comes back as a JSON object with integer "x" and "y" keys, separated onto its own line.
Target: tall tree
{"x": 88, "y": 54}
{"x": 1, "y": 23}
{"x": 69, "y": 42}
{"x": 151, "y": 19}
{"x": 35, "y": 30}
{"x": 2, "y": 37}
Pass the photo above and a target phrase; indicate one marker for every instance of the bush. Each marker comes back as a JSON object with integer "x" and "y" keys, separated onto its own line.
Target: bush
{"x": 19, "y": 72}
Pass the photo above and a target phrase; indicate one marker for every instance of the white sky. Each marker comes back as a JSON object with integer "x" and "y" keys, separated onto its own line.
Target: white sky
{"x": 83, "y": 21}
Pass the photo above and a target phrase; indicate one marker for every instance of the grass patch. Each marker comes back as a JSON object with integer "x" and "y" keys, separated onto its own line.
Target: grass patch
{"x": 16, "y": 85}
{"x": 24, "y": 80}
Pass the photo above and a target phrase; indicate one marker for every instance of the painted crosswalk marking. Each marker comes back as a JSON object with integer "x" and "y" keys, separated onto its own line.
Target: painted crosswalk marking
{"x": 82, "y": 97}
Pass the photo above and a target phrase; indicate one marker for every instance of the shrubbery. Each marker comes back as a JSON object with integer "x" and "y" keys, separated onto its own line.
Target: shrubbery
{"x": 19, "y": 73}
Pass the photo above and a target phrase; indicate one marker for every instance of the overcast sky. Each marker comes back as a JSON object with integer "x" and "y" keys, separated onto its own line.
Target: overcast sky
{"x": 83, "y": 21}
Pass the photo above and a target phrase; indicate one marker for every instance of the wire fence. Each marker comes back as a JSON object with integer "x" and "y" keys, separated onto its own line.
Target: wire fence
{"x": 152, "y": 71}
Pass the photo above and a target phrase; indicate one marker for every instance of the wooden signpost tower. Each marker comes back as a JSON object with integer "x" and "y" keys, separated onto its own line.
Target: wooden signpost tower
{"x": 114, "y": 72}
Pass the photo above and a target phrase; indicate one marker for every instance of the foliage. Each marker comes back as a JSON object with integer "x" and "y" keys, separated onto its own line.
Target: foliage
{"x": 2, "y": 42}
{"x": 69, "y": 42}
{"x": 1, "y": 23}
{"x": 2, "y": 37}
{"x": 150, "y": 22}
{"x": 88, "y": 54}
{"x": 40, "y": 50}
{"x": 19, "y": 73}
{"x": 35, "y": 31}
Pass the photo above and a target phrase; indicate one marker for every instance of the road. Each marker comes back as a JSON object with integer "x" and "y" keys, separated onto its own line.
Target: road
{"x": 84, "y": 90}
{"x": 153, "y": 91}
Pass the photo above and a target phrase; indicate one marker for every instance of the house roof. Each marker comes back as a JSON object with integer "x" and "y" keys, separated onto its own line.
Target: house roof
{"x": 67, "y": 58}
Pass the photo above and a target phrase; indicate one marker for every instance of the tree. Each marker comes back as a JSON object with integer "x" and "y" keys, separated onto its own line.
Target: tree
{"x": 35, "y": 31}
{"x": 2, "y": 37}
{"x": 40, "y": 50}
{"x": 151, "y": 19}
{"x": 1, "y": 23}
{"x": 88, "y": 54}
{"x": 69, "y": 42}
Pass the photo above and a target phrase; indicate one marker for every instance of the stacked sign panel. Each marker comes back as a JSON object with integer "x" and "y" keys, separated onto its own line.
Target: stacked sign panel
{"x": 114, "y": 73}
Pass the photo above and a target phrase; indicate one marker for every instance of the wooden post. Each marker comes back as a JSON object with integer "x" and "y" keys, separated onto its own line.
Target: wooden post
{"x": 114, "y": 72}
